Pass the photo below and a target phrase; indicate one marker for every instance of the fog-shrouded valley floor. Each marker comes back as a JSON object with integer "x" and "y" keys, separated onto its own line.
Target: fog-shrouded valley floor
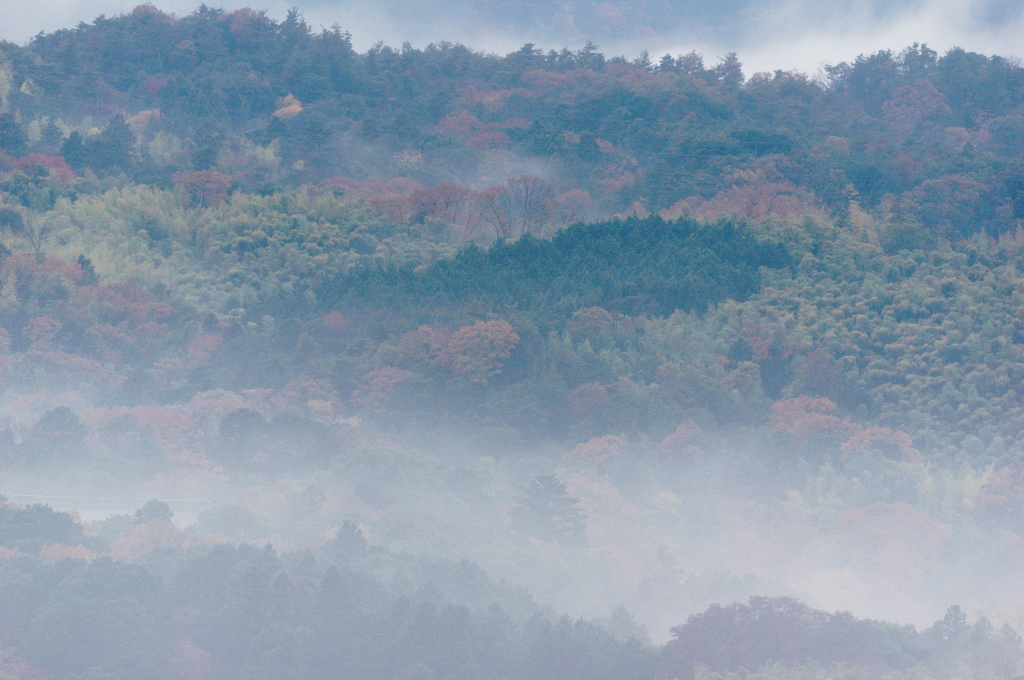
{"x": 429, "y": 363}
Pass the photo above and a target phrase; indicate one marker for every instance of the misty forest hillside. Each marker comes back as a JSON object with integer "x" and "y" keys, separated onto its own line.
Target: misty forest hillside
{"x": 467, "y": 340}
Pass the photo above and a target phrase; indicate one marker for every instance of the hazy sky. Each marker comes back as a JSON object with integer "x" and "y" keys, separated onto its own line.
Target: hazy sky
{"x": 773, "y": 34}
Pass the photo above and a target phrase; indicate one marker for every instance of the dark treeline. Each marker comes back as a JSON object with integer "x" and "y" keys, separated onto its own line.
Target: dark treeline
{"x": 636, "y": 266}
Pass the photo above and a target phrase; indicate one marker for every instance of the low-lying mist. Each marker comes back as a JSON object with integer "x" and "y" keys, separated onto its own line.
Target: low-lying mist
{"x": 663, "y": 530}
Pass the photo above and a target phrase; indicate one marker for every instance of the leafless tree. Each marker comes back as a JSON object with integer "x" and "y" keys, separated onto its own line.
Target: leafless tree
{"x": 532, "y": 200}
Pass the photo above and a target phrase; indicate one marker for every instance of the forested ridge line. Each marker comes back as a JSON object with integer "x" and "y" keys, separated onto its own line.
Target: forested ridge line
{"x": 275, "y": 104}
{"x": 706, "y": 333}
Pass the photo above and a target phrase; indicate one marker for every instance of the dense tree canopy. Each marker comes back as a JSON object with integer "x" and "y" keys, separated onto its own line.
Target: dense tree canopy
{"x": 546, "y": 309}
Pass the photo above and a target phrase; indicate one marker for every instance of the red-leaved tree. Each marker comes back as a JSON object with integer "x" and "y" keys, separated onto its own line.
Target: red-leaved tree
{"x": 203, "y": 188}
{"x": 477, "y": 352}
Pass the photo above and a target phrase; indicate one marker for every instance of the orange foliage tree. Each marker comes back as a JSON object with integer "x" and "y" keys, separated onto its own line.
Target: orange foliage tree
{"x": 912, "y": 105}
{"x": 54, "y": 552}
{"x": 808, "y": 416}
{"x": 42, "y": 331}
{"x": 55, "y": 165}
{"x": 679, "y": 443}
{"x": 422, "y": 347}
{"x": 203, "y": 188}
{"x": 586, "y": 398}
{"x": 380, "y": 386}
{"x": 121, "y": 318}
{"x": 449, "y": 202}
{"x": 591, "y": 322}
{"x": 892, "y": 443}
{"x": 477, "y": 352}
{"x": 594, "y": 452}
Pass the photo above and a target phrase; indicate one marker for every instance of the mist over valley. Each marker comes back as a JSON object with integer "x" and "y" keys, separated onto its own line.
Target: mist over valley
{"x": 610, "y": 353}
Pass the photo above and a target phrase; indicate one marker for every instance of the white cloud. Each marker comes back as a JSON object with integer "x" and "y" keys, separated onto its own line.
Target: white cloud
{"x": 788, "y": 34}
{"x": 790, "y": 43}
